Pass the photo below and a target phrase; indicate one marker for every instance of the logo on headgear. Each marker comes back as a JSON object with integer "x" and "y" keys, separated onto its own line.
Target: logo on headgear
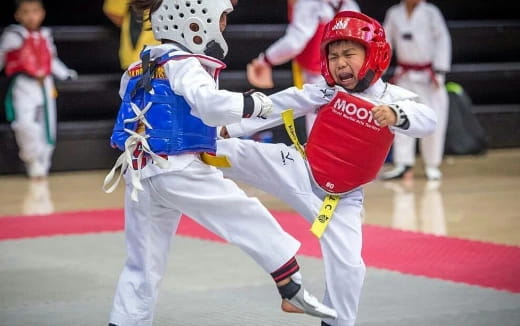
{"x": 340, "y": 24}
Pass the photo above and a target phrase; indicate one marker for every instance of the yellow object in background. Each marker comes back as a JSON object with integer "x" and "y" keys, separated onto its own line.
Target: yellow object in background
{"x": 135, "y": 31}
{"x": 297, "y": 74}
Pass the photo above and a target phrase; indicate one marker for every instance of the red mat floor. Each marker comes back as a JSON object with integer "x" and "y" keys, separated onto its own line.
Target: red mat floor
{"x": 471, "y": 262}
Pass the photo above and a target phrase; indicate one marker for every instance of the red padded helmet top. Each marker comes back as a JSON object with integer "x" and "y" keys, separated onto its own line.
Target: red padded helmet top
{"x": 355, "y": 26}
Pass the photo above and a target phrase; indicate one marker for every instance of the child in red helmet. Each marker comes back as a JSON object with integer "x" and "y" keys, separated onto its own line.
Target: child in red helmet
{"x": 358, "y": 115}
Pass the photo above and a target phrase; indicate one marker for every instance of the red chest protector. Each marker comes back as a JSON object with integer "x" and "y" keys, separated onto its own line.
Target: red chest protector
{"x": 346, "y": 147}
{"x": 32, "y": 58}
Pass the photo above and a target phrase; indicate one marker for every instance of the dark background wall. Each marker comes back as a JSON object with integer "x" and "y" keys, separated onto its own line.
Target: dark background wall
{"x": 89, "y": 12}
{"x": 486, "y": 62}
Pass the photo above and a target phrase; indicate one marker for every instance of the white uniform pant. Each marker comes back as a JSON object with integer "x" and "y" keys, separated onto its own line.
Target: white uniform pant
{"x": 281, "y": 171}
{"x": 201, "y": 192}
{"x": 432, "y": 146}
{"x": 34, "y": 121}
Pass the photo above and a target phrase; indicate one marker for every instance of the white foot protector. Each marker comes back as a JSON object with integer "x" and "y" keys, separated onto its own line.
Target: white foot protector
{"x": 311, "y": 306}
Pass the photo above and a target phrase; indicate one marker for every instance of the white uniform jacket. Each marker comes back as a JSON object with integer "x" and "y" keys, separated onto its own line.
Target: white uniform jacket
{"x": 309, "y": 99}
{"x": 421, "y": 38}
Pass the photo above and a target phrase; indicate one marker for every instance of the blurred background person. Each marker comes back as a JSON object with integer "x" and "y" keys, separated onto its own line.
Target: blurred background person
{"x": 301, "y": 42}
{"x": 29, "y": 55}
{"x": 421, "y": 42}
{"x": 135, "y": 30}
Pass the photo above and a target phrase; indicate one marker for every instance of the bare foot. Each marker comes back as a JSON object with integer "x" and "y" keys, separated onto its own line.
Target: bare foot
{"x": 289, "y": 307}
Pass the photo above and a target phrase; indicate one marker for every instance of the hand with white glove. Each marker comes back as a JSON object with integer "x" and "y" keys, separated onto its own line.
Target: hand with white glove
{"x": 257, "y": 104}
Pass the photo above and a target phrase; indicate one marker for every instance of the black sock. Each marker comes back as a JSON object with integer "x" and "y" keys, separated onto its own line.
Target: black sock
{"x": 289, "y": 290}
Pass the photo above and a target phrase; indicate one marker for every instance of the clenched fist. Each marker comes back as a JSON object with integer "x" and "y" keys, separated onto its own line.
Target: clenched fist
{"x": 384, "y": 115}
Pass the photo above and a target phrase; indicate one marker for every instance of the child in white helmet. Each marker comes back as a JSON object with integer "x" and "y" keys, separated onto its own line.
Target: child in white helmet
{"x": 166, "y": 129}
{"x": 357, "y": 116}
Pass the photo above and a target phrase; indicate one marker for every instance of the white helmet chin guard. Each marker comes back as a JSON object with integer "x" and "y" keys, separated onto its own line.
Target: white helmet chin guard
{"x": 194, "y": 24}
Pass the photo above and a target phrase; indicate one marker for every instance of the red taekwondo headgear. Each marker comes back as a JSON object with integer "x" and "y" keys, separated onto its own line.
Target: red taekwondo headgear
{"x": 355, "y": 26}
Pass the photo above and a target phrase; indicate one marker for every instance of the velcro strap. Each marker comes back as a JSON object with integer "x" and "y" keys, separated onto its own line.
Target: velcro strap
{"x": 325, "y": 215}
{"x": 249, "y": 105}
{"x": 219, "y": 161}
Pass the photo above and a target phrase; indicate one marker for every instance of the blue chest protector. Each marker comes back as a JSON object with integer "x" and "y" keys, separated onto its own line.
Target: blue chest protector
{"x": 170, "y": 129}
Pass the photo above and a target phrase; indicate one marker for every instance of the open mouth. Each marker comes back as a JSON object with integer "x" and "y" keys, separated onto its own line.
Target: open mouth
{"x": 345, "y": 76}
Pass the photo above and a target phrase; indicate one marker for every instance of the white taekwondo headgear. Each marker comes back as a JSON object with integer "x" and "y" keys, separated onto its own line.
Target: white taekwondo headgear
{"x": 194, "y": 24}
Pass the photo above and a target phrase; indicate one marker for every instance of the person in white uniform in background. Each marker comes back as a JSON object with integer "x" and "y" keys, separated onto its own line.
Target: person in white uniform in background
{"x": 28, "y": 54}
{"x": 300, "y": 43}
{"x": 421, "y": 42}
{"x": 355, "y": 54}
{"x": 166, "y": 128}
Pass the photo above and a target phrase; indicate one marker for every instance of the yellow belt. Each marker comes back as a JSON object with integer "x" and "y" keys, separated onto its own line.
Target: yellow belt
{"x": 215, "y": 160}
{"x": 330, "y": 201}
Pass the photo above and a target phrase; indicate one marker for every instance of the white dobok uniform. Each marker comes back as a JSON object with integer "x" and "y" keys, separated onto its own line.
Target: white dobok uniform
{"x": 280, "y": 170}
{"x": 421, "y": 39}
{"x": 34, "y": 106}
{"x": 307, "y": 16}
{"x": 189, "y": 186}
